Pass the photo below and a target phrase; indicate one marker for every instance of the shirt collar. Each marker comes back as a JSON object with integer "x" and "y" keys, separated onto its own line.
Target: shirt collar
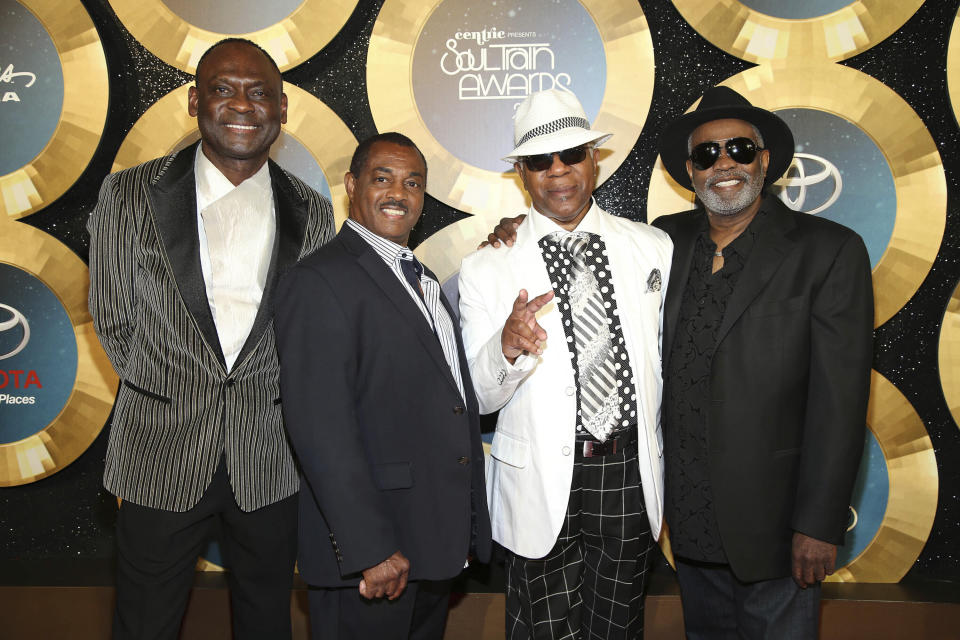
{"x": 541, "y": 225}
{"x": 213, "y": 185}
{"x": 389, "y": 250}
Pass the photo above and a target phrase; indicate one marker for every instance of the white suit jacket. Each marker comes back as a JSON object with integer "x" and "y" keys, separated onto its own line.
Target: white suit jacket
{"x": 528, "y": 480}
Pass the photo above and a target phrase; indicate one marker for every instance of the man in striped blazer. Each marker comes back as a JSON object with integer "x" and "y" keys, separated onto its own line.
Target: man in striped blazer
{"x": 185, "y": 253}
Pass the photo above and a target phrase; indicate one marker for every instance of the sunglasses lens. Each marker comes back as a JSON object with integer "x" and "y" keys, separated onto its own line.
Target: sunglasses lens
{"x": 543, "y": 161}
{"x": 573, "y": 156}
{"x": 704, "y": 155}
{"x": 741, "y": 150}
{"x": 540, "y": 162}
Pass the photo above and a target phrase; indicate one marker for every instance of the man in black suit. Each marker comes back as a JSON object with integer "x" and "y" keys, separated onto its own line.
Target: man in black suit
{"x": 381, "y": 412}
{"x": 185, "y": 252}
{"x": 767, "y": 350}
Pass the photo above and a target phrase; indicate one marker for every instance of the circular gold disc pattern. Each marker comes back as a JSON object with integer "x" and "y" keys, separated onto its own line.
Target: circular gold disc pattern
{"x": 949, "y": 355}
{"x": 166, "y": 126}
{"x": 82, "y": 118}
{"x": 88, "y": 405}
{"x": 953, "y": 67}
{"x": 180, "y": 44}
{"x": 906, "y": 144}
{"x": 628, "y": 49}
{"x": 751, "y": 35}
{"x": 913, "y": 489}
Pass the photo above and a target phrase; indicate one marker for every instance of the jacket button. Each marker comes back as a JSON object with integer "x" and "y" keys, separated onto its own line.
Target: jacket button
{"x": 458, "y": 409}
{"x": 565, "y": 451}
{"x": 231, "y": 382}
{"x": 463, "y": 460}
{"x": 571, "y": 391}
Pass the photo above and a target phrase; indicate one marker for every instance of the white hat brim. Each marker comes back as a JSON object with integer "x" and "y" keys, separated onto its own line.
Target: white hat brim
{"x": 557, "y": 141}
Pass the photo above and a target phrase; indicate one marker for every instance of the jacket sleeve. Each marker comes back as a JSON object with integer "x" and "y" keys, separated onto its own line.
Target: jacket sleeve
{"x": 841, "y": 353}
{"x": 318, "y": 372}
{"x": 112, "y": 299}
{"x": 494, "y": 379}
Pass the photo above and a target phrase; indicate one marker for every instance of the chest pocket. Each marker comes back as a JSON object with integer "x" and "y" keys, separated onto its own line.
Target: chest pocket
{"x": 510, "y": 450}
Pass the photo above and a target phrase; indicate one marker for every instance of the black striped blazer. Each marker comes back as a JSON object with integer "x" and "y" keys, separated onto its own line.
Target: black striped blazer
{"x": 178, "y": 409}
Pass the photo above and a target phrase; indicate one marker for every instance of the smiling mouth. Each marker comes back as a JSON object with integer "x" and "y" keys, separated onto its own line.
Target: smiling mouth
{"x": 727, "y": 183}
{"x": 241, "y": 127}
{"x": 393, "y": 212}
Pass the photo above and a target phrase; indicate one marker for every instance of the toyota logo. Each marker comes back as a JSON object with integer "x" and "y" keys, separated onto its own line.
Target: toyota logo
{"x": 8, "y": 325}
{"x": 801, "y": 179}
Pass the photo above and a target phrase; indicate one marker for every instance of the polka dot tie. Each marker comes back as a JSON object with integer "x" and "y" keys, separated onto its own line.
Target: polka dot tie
{"x": 580, "y": 276}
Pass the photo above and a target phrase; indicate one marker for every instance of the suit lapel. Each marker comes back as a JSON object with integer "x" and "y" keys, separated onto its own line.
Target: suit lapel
{"x": 769, "y": 250}
{"x": 173, "y": 204}
{"x": 373, "y": 264}
{"x": 291, "y": 216}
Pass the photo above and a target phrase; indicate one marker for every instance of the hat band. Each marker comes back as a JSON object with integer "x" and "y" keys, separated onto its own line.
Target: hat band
{"x": 553, "y": 127}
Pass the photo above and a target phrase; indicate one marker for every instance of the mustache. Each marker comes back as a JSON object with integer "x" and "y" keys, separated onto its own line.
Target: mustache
{"x": 395, "y": 204}
{"x": 727, "y": 175}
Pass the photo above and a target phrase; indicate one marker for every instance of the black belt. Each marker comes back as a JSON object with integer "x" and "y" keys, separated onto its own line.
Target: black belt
{"x": 616, "y": 443}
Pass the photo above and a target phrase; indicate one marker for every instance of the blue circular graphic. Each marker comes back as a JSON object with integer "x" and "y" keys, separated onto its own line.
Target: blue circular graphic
{"x": 31, "y": 86}
{"x": 866, "y": 194}
{"x": 796, "y": 10}
{"x": 474, "y": 63}
{"x": 869, "y": 502}
{"x": 38, "y": 355}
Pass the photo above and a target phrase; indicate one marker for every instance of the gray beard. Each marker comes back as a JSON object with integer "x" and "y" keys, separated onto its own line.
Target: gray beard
{"x": 723, "y": 207}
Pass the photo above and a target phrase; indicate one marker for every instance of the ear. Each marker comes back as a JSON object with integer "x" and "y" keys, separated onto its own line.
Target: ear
{"x": 283, "y": 108}
{"x": 350, "y": 182}
{"x": 690, "y": 170}
{"x": 764, "y": 160}
{"x": 193, "y": 101}
{"x": 518, "y": 167}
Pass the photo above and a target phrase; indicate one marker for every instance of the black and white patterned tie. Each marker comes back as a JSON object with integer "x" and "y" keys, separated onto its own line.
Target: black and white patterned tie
{"x": 592, "y": 337}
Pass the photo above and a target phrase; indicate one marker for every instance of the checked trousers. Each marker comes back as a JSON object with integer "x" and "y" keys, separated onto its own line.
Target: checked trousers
{"x": 590, "y": 585}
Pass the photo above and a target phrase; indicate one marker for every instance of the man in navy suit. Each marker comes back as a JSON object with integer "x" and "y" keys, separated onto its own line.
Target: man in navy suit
{"x": 381, "y": 411}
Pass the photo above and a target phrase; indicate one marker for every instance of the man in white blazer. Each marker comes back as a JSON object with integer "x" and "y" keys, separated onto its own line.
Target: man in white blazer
{"x": 562, "y": 334}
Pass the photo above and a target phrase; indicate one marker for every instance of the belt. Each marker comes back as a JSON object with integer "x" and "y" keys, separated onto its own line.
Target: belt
{"x": 616, "y": 443}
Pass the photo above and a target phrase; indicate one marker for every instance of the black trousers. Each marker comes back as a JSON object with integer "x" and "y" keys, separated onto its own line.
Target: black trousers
{"x": 590, "y": 585}
{"x": 343, "y": 614}
{"x": 157, "y": 553}
{"x": 718, "y": 606}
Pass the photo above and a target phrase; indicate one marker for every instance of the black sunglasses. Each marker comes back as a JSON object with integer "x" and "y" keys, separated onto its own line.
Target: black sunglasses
{"x": 740, "y": 150}
{"x": 543, "y": 161}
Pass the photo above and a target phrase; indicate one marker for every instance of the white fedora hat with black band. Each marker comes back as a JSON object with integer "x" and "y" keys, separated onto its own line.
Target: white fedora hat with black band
{"x": 548, "y": 121}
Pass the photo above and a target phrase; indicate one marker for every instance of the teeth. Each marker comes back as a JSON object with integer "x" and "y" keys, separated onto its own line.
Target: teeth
{"x": 394, "y": 212}
{"x": 726, "y": 183}
{"x": 243, "y": 127}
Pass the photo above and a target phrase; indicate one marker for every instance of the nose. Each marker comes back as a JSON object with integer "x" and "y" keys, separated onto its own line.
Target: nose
{"x": 240, "y": 102}
{"x": 557, "y": 168}
{"x": 724, "y": 161}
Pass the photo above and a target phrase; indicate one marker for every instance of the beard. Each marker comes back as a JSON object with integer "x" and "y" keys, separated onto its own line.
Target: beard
{"x": 717, "y": 204}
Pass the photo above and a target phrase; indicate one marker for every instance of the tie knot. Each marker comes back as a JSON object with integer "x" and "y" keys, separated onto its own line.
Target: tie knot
{"x": 574, "y": 242}
{"x": 409, "y": 262}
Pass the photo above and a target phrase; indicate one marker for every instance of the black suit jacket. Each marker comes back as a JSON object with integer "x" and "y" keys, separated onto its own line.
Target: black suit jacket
{"x": 179, "y": 410}
{"x": 789, "y": 383}
{"x": 389, "y": 451}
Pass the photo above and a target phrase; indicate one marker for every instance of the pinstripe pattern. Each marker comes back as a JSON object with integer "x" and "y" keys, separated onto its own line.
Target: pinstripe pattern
{"x": 178, "y": 409}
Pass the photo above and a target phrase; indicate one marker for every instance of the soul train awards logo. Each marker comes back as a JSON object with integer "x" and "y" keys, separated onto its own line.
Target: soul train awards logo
{"x": 475, "y": 62}
{"x": 501, "y": 70}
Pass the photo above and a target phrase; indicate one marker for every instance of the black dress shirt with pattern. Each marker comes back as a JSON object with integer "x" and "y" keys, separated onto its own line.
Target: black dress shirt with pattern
{"x": 689, "y": 499}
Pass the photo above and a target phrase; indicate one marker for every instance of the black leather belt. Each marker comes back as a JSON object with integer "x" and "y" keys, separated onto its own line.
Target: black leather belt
{"x": 616, "y": 443}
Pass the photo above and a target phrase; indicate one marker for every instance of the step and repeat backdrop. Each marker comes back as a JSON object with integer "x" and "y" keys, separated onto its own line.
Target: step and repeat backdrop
{"x": 871, "y": 90}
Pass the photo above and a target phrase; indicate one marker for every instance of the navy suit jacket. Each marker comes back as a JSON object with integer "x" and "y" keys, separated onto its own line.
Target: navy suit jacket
{"x": 389, "y": 451}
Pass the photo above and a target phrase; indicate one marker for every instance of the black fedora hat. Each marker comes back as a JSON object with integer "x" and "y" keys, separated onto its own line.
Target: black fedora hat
{"x": 717, "y": 104}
